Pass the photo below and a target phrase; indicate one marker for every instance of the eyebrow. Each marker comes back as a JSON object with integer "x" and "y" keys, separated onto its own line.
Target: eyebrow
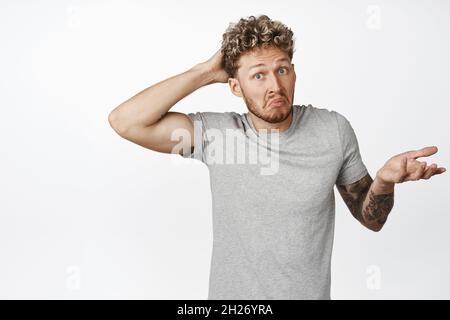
{"x": 262, "y": 64}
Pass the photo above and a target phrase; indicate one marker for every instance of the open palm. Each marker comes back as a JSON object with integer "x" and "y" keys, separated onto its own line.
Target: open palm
{"x": 405, "y": 166}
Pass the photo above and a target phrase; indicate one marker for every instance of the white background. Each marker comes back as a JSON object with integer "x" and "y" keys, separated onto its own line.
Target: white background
{"x": 87, "y": 214}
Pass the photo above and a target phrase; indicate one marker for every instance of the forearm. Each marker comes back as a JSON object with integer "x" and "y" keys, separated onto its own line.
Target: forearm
{"x": 377, "y": 204}
{"x": 151, "y": 104}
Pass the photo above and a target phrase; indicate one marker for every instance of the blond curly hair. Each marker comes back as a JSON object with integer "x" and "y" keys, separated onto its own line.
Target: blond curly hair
{"x": 254, "y": 32}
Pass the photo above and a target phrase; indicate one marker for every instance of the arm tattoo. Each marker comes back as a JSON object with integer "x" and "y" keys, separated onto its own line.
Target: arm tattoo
{"x": 378, "y": 207}
{"x": 374, "y": 214}
{"x": 354, "y": 195}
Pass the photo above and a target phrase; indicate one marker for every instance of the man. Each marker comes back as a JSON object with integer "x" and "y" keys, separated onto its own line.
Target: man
{"x": 273, "y": 230}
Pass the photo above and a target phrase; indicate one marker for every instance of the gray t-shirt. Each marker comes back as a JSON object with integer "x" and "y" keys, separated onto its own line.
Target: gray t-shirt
{"x": 273, "y": 218}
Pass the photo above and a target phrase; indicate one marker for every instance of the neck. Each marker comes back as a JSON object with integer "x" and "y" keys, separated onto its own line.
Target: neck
{"x": 260, "y": 124}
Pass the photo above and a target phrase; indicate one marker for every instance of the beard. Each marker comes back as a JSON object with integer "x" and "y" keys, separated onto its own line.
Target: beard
{"x": 271, "y": 115}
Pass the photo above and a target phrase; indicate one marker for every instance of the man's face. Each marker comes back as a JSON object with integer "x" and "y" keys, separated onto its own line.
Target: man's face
{"x": 265, "y": 74}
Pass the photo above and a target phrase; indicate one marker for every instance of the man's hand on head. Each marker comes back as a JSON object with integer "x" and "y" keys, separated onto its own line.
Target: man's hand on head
{"x": 214, "y": 66}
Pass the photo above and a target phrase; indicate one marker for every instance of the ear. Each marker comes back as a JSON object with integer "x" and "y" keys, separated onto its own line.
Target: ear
{"x": 235, "y": 87}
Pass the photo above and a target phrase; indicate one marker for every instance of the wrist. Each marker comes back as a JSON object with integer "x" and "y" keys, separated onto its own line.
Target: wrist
{"x": 205, "y": 73}
{"x": 381, "y": 186}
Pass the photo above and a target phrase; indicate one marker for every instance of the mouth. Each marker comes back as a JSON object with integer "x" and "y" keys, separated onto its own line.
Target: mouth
{"x": 277, "y": 102}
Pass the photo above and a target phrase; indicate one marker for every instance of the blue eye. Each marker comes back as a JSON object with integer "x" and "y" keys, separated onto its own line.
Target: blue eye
{"x": 259, "y": 73}
{"x": 256, "y": 74}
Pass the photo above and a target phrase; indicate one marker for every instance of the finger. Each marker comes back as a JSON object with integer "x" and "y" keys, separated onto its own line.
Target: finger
{"x": 437, "y": 170}
{"x": 424, "y": 152}
{"x": 421, "y": 165}
{"x": 429, "y": 171}
{"x": 440, "y": 170}
{"x": 422, "y": 170}
{"x": 418, "y": 173}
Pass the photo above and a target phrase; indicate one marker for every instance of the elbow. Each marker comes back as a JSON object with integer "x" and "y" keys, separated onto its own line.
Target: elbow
{"x": 378, "y": 229}
{"x": 116, "y": 123}
{"x": 375, "y": 227}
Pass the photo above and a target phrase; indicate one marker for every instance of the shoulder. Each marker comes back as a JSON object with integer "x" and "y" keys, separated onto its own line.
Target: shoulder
{"x": 336, "y": 120}
{"x": 328, "y": 119}
{"x": 324, "y": 113}
{"x": 217, "y": 120}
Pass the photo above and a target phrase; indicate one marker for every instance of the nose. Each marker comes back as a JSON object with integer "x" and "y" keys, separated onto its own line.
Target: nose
{"x": 274, "y": 85}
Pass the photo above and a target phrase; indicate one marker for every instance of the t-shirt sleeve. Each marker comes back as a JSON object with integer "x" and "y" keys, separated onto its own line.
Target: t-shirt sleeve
{"x": 197, "y": 151}
{"x": 353, "y": 168}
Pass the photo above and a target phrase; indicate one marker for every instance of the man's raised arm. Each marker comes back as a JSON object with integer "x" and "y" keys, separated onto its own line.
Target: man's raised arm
{"x": 145, "y": 118}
